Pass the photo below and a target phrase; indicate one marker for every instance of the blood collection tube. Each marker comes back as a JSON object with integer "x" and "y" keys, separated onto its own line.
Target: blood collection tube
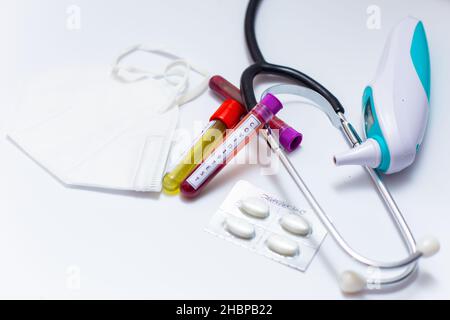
{"x": 289, "y": 138}
{"x": 226, "y": 117}
{"x": 234, "y": 141}
{"x": 225, "y": 89}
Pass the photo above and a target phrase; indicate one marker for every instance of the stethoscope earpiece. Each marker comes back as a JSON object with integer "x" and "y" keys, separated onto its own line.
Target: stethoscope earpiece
{"x": 428, "y": 246}
{"x": 351, "y": 282}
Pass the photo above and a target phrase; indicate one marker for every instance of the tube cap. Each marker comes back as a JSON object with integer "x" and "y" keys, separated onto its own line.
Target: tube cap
{"x": 271, "y": 102}
{"x": 290, "y": 139}
{"x": 230, "y": 112}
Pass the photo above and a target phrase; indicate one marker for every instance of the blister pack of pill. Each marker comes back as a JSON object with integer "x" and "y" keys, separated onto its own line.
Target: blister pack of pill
{"x": 264, "y": 223}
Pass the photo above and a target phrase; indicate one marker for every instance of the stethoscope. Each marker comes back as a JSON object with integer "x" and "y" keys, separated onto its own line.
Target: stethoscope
{"x": 350, "y": 281}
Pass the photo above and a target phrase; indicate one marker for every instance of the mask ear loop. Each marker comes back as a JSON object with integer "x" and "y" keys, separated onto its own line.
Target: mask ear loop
{"x": 122, "y": 73}
{"x": 186, "y": 94}
{"x": 193, "y": 93}
{"x": 174, "y": 71}
{"x": 182, "y": 93}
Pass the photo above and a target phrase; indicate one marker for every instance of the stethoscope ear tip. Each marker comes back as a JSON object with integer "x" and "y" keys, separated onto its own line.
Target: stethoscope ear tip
{"x": 351, "y": 282}
{"x": 428, "y": 246}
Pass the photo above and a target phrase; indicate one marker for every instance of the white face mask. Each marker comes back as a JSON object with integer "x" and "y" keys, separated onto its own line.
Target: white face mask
{"x": 91, "y": 129}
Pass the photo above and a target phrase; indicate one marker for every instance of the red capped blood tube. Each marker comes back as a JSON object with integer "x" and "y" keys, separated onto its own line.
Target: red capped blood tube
{"x": 234, "y": 141}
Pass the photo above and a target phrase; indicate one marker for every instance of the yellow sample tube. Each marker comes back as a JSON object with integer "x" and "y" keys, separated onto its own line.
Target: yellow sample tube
{"x": 226, "y": 117}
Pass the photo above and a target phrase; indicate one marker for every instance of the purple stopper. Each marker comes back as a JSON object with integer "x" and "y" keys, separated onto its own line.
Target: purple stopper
{"x": 290, "y": 139}
{"x": 272, "y": 103}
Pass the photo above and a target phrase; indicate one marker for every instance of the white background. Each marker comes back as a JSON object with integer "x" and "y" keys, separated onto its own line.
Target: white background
{"x": 129, "y": 245}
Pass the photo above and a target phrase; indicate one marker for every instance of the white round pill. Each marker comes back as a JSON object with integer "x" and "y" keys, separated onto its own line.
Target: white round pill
{"x": 295, "y": 224}
{"x": 239, "y": 228}
{"x": 282, "y": 245}
{"x": 255, "y": 207}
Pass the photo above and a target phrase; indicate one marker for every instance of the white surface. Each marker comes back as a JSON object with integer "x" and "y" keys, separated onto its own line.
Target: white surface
{"x": 129, "y": 245}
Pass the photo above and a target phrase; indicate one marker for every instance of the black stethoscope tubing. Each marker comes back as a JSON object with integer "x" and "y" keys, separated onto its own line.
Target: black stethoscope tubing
{"x": 261, "y": 66}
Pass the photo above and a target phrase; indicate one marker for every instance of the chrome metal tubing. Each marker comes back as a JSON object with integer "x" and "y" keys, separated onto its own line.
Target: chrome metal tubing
{"x": 354, "y": 139}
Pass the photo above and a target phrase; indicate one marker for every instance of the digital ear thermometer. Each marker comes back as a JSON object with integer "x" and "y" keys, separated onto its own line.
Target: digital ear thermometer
{"x": 396, "y": 104}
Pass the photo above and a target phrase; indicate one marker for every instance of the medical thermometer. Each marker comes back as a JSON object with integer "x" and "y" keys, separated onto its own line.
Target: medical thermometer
{"x": 226, "y": 117}
{"x": 396, "y": 104}
{"x": 245, "y": 130}
{"x": 289, "y": 138}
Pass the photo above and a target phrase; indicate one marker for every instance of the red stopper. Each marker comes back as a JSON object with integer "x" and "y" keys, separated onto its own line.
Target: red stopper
{"x": 230, "y": 113}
